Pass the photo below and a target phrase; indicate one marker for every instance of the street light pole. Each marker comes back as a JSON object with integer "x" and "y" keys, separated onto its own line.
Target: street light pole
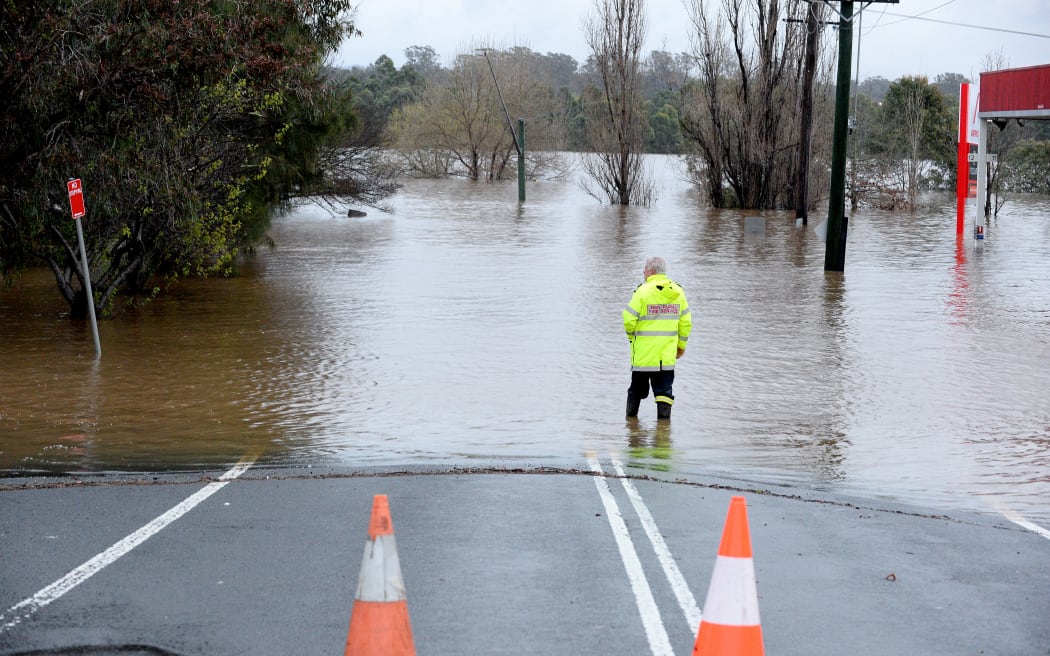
{"x": 519, "y": 139}
{"x": 521, "y": 160}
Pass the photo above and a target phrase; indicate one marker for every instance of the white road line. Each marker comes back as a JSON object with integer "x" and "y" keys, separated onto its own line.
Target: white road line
{"x": 659, "y": 642}
{"x": 1022, "y": 522}
{"x": 1015, "y": 517}
{"x": 685, "y": 597}
{"x": 21, "y": 611}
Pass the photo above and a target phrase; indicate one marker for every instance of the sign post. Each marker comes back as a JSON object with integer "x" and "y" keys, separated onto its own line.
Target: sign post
{"x": 76, "y": 208}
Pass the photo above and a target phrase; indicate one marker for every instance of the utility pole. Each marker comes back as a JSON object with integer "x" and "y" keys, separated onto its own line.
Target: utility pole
{"x": 835, "y": 251}
{"x": 519, "y": 139}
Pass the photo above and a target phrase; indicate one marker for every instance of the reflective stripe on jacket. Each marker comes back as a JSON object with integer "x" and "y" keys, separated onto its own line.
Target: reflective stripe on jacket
{"x": 658, "y": 323}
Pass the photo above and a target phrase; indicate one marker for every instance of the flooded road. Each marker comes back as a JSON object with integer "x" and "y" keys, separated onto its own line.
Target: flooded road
{"x": 466, "y": 329}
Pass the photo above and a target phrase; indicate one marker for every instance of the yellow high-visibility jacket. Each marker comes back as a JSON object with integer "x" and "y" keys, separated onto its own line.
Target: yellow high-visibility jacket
{"x": 658, "y": 323}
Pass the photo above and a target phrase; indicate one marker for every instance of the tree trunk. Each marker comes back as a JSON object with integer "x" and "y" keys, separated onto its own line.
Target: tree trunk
{"x": 616, "y": 122}
{"x": 78, "y": 308}
{"x": 806, "y": 134}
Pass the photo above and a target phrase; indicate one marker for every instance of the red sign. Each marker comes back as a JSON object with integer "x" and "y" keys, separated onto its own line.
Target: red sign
{"x": 76, "y": 198}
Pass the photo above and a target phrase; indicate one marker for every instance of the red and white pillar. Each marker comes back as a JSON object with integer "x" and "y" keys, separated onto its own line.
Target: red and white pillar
{"x": 971, "y": 140}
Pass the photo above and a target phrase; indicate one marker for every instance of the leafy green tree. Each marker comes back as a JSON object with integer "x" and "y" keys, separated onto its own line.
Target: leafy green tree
{"x": 424, "y": 60}
{"x": 916, "y": 129}
{"x": 874, "y": 88}
{"x": 558, "y": 70}
{"x": 379, "y": 91}
{"x": 187, "y": 122}
{"x": 665, "y": 134}
{"x": 1028, "y": 168}
{"x": 949, "y": 84}
{"x": 576, "y": 126}
{"x": 388, "y": 87}
{"x": 664, "y": 71}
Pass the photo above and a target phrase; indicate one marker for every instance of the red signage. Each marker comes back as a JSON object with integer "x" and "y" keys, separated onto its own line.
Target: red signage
{"x": 76, "y": 198}
{"x": 1015, "y": 90}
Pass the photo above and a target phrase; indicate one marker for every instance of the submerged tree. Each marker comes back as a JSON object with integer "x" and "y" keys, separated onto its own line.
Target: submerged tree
{"x": 741, "y": 115}
{"x": 915, "y": 132}
{"x": 188, "y": 122}
{"x": 1028, "y": 170}
{"x": 459, "y": 126}
{"x": 814, "y": 21}
{"x": 616, "y": 123}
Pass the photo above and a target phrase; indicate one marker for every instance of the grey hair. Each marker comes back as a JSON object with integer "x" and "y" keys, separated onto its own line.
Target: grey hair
{"x": 656, "y": 265}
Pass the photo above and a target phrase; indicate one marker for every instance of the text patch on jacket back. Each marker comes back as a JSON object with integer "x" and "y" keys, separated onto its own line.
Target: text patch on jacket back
{"x": 662, "y": 308}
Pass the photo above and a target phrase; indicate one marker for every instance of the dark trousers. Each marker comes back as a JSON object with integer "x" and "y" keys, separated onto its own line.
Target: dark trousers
{"x": 660, "y": 381}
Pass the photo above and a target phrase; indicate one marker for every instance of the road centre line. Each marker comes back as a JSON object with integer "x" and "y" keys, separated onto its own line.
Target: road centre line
{"x": 659, "y": 642}
{"x": 685, "y": 597}
{"x": 21, "y": 611}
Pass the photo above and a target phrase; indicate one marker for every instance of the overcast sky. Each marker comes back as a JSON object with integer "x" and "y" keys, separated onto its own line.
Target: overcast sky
{"x": 945, "y": 38}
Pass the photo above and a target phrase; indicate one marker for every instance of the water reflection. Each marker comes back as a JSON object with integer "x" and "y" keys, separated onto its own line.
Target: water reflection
{"x": 649, "y": 448}
{"x": 958, "y": 298}
{"x": 465, "y": 326}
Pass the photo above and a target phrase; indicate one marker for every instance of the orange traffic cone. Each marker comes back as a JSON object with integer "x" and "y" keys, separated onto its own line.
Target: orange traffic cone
{"x": 730, "y": 625}
{"x": 379, "y": 621}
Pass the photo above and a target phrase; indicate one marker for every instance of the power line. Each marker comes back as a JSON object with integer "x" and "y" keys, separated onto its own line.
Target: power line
{"x": 928, "y": 11}
{"x": 976, "y": 27}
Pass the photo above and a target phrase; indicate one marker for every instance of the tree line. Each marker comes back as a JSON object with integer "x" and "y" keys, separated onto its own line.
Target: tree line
{"x": 732, "y": 108}
{"x": 193, "y": 123}
{"x": 904, "y": 132}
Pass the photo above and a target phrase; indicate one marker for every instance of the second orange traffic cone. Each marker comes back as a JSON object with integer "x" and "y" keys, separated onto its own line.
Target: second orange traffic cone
{"x": 730, "y": 624}
{"x": 379, "y": 620}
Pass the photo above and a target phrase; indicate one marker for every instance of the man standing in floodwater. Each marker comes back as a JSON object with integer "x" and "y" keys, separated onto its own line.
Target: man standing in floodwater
{"x": 658, "y": 323}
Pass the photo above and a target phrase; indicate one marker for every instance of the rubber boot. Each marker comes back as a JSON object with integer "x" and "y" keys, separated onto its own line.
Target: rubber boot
{"x": 663, "y": 410}
{"x": 632, "y": 406}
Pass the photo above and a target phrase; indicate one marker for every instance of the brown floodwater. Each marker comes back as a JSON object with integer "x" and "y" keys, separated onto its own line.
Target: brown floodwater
{"x": 464, "y": 328}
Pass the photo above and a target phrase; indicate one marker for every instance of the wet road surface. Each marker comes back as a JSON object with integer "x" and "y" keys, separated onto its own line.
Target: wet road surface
{"x": 500, "y": 562}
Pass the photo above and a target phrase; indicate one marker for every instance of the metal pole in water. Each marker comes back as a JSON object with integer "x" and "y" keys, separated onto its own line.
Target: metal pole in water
{"x": 519, "y": 142}
{"x": 76, "y": 207}
{"x": 521, "y": 160}
{"x": 87, "y": 287}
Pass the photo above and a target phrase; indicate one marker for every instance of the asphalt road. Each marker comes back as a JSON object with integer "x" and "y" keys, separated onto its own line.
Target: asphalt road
{"x": 498, "y": 562}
